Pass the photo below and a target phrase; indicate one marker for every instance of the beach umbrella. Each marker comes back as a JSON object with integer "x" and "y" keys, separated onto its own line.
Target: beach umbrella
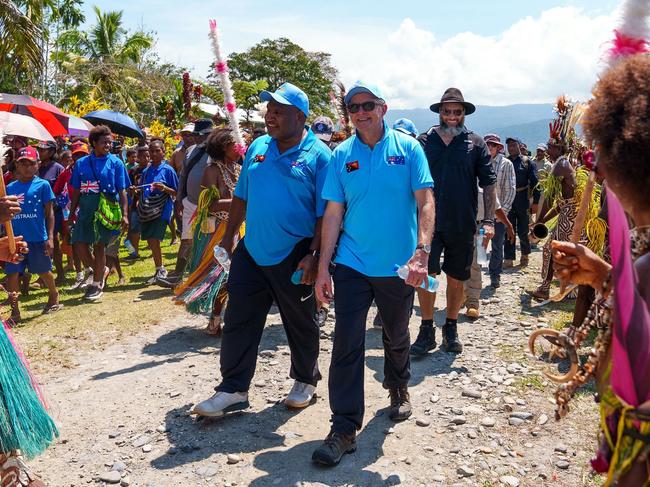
{"x": 79, "y": 127}
{"x": 53, "y": 119}
{"x": 118, "y": 122}
{"x": 16, "y": 124}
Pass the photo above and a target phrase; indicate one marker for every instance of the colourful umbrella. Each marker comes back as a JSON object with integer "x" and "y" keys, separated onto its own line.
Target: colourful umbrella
{"x": 15, "y": 124}
{"x": 79, "y": 126}
{"x": 53, "y": 119}
{"x": 118, "y": 122}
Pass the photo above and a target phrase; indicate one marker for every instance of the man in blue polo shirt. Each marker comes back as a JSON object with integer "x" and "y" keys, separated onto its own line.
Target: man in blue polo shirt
{"x": 279, "y": 193}
{"x": 379, "y": 187}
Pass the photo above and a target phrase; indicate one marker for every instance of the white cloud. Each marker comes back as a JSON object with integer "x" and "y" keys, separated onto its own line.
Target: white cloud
{"x": 534, "y": 60}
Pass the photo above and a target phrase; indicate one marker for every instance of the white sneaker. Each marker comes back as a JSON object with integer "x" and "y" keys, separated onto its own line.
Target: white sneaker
{"x": 221, "y": 403}
{"x": 300, "y": 396}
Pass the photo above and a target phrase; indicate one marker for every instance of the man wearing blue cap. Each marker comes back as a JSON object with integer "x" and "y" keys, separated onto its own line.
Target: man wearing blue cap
{"x": 526, "y": 176}
{"x": 406, "y": 126}
{"x": 379, "y": 187}
{"x": 279, "y": 193}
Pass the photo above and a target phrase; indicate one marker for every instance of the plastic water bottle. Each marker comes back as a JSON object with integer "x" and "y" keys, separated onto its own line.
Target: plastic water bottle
{"x": 296, "y": 277}
{"x": 129, "y": 246}
{"x": 221, "y": 256}
{"x": 66, "y": 213}
{"x": 430, "y": 284}
{"x": 481, "y": 254}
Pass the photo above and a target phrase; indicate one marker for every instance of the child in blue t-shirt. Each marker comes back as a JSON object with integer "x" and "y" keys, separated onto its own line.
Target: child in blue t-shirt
{"x": 35, "y": 223}
{"x": 100, "y": 173}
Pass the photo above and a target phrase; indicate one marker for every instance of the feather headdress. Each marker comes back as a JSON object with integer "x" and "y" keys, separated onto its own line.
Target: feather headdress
{"x": 338, "y": 100}
{"x": 221, "y": 67}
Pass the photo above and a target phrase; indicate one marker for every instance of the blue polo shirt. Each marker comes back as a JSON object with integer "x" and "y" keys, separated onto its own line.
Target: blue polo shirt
{"x": 282, "y": 194}
{"x": 32, "y": 197}
{"x": 107, "y": 174}
{"x": 377, "y": 187}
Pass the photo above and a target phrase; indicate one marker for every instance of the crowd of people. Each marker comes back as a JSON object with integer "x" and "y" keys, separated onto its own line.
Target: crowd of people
{"x": 311, "y": 217}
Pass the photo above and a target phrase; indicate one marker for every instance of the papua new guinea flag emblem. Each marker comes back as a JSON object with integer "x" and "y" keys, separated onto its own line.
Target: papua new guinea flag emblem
{"x": 351, "y": 166}
{"x": 259, "y": 158}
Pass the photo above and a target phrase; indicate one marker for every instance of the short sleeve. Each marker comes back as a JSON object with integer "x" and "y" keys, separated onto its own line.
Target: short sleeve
{"x": 420, "y": 173}
{"x": 322, "y": 164}
{"x": 47, "y": 194}
{"x": 171, "y": 179}
{"x": 333, "y": 188}
{"x": 241, "y": 190}
{"x": 121, "y": 176}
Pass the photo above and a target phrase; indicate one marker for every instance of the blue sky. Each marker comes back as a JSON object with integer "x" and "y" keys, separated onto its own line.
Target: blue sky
{"x": 500, "y": 52}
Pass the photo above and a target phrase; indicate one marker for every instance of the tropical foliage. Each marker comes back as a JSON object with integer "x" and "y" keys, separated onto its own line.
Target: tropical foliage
{"x": 46, "y": 53}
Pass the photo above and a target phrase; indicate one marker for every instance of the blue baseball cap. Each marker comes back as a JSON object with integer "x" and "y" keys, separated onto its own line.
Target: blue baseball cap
{"x": 363, "y": 87}
{"x": 288, "y": 94}
{"x": 406, "y": 126}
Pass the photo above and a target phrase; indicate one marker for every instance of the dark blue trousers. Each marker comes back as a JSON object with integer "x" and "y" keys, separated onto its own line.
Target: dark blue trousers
{"x": 518, "y": 216}
{"x": 251, "y": 291}
{"x": 354, "y": 295}
{"x": 496, "y": 255}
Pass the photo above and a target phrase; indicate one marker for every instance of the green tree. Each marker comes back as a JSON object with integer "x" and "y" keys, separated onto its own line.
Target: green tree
{"x": 21, "y": 41}
{"x": 106, "y": 62}
{"x": 280, "y": 60}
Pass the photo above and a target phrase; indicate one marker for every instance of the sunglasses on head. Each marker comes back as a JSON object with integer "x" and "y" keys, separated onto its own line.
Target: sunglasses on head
{"x": 458, "y": 111}
{"x": 368, "y": 106}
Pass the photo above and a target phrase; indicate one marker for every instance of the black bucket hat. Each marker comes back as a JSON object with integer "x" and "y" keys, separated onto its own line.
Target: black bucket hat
{"x": 453, "y": 95}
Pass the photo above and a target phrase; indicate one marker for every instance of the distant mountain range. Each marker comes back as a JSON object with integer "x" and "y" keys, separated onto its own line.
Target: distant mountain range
{"x": 529, "y": 122}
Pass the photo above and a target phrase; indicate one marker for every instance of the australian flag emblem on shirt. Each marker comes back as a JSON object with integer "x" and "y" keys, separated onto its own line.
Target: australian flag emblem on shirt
{"x": 395, "y": 160}
{"x": 351, "y": 166}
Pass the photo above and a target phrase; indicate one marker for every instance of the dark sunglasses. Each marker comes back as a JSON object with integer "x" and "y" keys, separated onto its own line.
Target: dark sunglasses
{"x": 368, "y": 106}
{"x": 458, "y": 111}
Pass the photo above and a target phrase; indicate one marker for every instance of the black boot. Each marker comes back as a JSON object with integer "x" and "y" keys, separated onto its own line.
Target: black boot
{"x": 333, "y": 448}
{"x": 450, "y": 341}
{"x": 400, "y": 403}
{"x": 425, "y": 341}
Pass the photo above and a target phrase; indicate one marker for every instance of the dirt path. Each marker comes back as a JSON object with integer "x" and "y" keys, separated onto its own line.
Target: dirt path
{"x": 483, "y": 418}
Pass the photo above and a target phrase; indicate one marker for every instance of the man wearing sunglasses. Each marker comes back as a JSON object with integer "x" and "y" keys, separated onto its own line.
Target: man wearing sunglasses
{"x": 458, "y": 158}
{"x": 279, "y": 194}
{"x": 379, "y": 187}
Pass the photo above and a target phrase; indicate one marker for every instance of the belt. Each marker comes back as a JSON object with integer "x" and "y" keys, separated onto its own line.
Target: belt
{"x": 525, "y": 188}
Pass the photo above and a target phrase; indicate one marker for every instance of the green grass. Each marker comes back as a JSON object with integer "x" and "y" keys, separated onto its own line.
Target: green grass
{"x": 49, "y": 339}
{"x": 530, "y": 382}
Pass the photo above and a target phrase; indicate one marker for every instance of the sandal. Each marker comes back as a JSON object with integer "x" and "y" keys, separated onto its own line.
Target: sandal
{"x": 52, "y": 308}
{"x": 214, "y": 327}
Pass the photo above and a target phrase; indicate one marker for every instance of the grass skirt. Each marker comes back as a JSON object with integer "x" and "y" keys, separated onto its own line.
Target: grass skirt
{"x": 25, "y": 424}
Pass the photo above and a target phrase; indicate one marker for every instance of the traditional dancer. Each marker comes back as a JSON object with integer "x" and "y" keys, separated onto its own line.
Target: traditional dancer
{"x": 204, "y": 290}
{"x": 620, "y": 357}
{"x": 26, "y": 428}
{"x": 558, "y": 190}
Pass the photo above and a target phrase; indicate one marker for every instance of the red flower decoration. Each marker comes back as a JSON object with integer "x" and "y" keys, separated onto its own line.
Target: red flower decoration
{"x": 623, "y": 45}
{"x": 589, "y": 159}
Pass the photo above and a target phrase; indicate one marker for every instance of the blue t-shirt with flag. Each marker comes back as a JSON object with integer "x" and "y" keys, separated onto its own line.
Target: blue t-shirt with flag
{"x": 32, "y": 197}
{"x": 282, "y": 194}
{"x": 166, "y": 175}
{"x": 377, "y": 188}
{"x": 107, "y": 174}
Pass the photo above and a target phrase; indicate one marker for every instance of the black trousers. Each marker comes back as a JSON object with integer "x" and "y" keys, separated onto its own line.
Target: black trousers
{"x": 354, "y": 294}
{"x": 518, "y": 216}
{"x": 251, "y": 291}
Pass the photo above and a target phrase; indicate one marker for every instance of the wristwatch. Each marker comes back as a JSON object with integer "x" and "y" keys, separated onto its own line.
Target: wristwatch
{"x": 426, "y": 248}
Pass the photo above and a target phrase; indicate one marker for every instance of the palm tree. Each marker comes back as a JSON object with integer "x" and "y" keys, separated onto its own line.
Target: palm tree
{"x": 103, "y": 63}
{"x": 21, "y": 38}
